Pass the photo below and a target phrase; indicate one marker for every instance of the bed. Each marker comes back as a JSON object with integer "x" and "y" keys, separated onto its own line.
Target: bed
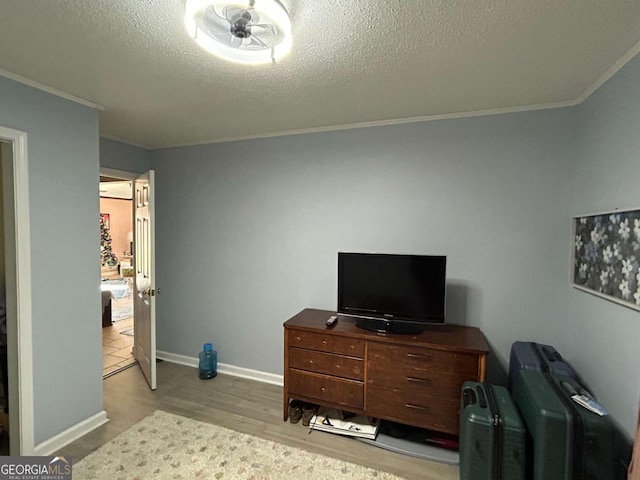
{"x": 111, "y": 289}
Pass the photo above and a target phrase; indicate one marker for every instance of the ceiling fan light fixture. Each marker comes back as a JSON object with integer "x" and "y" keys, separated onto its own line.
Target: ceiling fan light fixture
{"x": 250, "y": 32}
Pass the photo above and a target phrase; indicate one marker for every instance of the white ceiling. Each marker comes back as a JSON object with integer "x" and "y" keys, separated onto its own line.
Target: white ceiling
{"x": 353, "y": 62}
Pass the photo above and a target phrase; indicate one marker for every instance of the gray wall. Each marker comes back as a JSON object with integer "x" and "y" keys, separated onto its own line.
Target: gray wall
{"x": 248, "y": 232}
{"x": 602, "y": 338}
{"x": 63, "y": 194}
{"x": 122, "y": 156}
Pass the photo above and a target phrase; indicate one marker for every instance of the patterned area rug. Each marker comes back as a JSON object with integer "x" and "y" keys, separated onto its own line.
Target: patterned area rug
{"x": 121, "y": 309}
{"x": 167, "y": 446}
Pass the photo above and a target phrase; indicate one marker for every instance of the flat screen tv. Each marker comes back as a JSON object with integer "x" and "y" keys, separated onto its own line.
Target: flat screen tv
{"x": 392, "y": 293}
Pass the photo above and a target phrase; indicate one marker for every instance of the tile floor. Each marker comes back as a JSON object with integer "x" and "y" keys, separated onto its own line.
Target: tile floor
{"x": 117, "y": 349}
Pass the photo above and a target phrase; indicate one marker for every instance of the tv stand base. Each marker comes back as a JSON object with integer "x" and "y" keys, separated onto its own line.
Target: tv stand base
{"x": 385, "y": 326}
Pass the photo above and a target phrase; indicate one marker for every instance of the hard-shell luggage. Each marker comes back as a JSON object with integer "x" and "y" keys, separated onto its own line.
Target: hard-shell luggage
{"x": 492, "y": 434}
{"x": 537, "y": 356}
{"x": 569, "y": 442}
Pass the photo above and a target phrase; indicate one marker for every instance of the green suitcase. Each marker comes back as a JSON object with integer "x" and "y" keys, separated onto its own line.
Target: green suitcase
{"x": 492, "y": 435}
{"x": 569, "y": 442}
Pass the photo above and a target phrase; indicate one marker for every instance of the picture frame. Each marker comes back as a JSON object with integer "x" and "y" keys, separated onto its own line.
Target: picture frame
{"x": 606, "y": 256}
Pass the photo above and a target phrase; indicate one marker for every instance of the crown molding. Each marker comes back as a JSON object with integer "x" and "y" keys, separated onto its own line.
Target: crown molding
{"x": 126, "y": 141}
{"x": 626, "y": 58}
{"x": 381, "y": 123}
{"x": 52, "y": 91}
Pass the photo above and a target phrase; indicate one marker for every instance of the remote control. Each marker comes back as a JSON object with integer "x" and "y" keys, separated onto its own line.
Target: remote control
{"x": 333, "y": 319}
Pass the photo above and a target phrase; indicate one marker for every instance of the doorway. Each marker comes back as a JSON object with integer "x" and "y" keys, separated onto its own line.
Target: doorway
{"x": 116, "y": 259}
{"x": 4, "y": 370}
{"x": 17, "y": 270}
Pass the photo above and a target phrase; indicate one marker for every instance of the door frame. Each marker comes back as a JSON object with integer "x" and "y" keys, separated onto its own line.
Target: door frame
{"x": 18, "y": 281}
{"x": 127, "y": 176}
{"x": 115, "y": 173}
{"x": 133, "y": 177}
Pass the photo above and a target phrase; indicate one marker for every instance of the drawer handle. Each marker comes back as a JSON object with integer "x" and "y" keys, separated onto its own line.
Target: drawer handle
{"x": 338, "y": 366}
{"x": 322, "y": 389}
{"x": 415, "y": 407}
{"x": 419, "y": 355}
{"x": 298, "y": 338}
{"x": 324, "y": 342}
{"x": 419, "y": 380}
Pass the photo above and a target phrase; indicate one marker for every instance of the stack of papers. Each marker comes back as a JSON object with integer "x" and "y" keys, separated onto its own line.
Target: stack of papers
{"x": 583, "y": 398}
{"x": 358, "y": 426}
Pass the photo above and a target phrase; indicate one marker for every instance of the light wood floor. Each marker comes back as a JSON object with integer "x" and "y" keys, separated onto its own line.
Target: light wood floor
{"x": 239, "y": 404}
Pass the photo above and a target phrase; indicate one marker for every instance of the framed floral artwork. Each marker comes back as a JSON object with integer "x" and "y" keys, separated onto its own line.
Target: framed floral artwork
{"x": 606, "y": 256}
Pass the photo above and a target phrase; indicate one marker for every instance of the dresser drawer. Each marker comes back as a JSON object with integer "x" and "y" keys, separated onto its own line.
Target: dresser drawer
{"x": 423, "y": 411}
{"x": 328, "y": 389}
{"x": 326, "y": 343}
{"x": 327, "y": 363}
{"x": 443, "y": 386}
{"x": 391, "y": 361}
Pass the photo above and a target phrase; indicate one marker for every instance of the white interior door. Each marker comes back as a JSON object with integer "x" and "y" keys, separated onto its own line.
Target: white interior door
{"x": 144, "y": 317}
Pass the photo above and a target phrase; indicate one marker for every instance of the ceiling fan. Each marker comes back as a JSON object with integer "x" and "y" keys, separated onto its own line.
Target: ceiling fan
{"x": 258, "y": 31}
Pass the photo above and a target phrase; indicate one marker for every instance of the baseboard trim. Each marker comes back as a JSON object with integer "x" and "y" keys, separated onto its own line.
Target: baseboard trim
{"x": 225, "y": 368}
{"x": 54, "y": 444}
{"x": 251, "y": 374}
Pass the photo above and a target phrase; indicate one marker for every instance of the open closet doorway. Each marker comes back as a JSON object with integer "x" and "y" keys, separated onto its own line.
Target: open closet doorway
{"x": 5, "y": 149}
{"x": 116, "y": 270}
{"x": 17, "y": 277}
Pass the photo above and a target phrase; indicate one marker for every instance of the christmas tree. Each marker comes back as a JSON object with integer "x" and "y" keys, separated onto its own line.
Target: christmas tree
{"x": 107, "y": 257}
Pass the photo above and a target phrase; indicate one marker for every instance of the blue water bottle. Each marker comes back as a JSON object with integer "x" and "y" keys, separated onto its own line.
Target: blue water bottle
{"x": 208, "y": 365}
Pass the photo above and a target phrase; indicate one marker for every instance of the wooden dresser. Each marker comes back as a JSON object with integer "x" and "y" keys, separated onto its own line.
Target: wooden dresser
{"x": 411, "y": 379}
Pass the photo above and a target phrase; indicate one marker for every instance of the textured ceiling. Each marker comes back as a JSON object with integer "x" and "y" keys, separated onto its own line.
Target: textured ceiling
{"x": 353, "y": 62}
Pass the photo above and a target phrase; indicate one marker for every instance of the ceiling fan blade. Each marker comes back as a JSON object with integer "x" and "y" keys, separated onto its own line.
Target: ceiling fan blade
{"x": 255, "y": 16}
{"x": 222, "y": 34}
{"x": 232, "y": 12}
{"x": 265, "y": 26}
{"x": 235, "y": 41}
{"x": 259, "y": 41}
{"x": 267, "y": 32}
{"x": 216, "y": 12}
{"x": 211, "y": 22}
